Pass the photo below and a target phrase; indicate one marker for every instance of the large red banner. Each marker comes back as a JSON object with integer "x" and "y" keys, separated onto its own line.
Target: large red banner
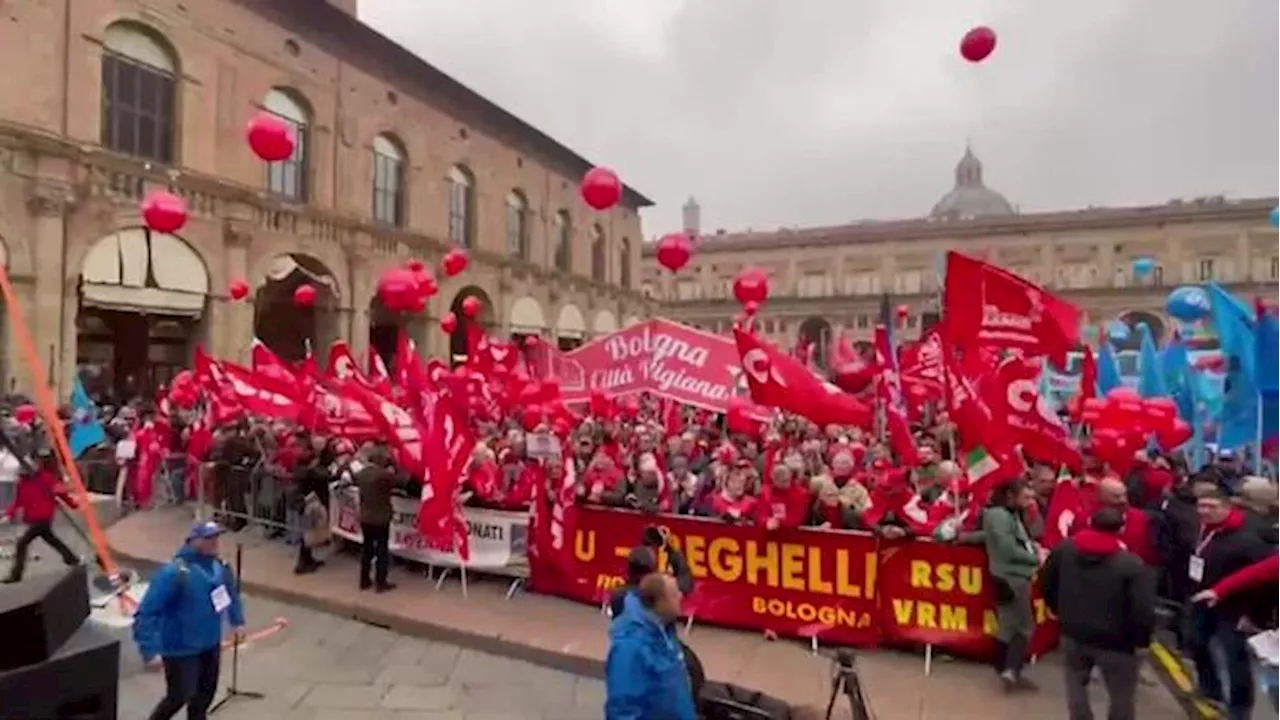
{"x": 845, "y": 588}
{"x": 657, "y": 356}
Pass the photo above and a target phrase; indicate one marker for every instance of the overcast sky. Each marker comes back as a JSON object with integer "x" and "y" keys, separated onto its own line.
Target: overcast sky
{"x": 808, "y": 112}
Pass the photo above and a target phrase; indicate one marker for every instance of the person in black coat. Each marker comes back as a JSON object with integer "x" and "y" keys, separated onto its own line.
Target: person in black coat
{"x": 1104, "y": 597}
{"x": 1225, "y": 544}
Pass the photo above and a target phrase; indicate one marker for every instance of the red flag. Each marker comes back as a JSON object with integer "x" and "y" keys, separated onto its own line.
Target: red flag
{"x": 1088, "y": 375}
{"x": 398, "y": 427}
{"x": 776, "y": 380}
{"x": 890, "y": 390}
{"x": 449, "y": 442}
{"x": 379, "y": 377}
{"x": 272, "y": 367}
{"x": 1012, "y": 393}
{"x": 987, "y": 306}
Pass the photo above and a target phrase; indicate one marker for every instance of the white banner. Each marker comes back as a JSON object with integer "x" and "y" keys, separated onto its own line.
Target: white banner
{"x": 499, "y": 540}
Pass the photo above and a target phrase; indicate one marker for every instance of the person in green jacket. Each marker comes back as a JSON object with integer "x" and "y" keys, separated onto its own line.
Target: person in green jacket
{"x": 1012, "y": 561}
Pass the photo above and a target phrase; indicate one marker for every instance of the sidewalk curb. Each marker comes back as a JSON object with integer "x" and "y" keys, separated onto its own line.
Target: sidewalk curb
{"x": 1173, "y": 674}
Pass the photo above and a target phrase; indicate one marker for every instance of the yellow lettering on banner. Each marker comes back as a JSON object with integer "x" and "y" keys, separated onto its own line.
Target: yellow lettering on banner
{"x": 608, "y": 582}
{"x": 817, "y": 583}
{"x": 946, "y": 577}
{"x": 793, "y": 566}
{"x": 584, "y": 545}
{"x": 932, "y": 616}
{"x": 762, "y": 560}
{"x": 790, "y": 566}
{"x": 808, "y": 613}
{"x": 695, "y": 553}
{"x": 989, "y": 624}
{"x": 724, "y": 561}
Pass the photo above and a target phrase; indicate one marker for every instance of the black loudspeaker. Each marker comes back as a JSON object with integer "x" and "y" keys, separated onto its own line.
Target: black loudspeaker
{"x": 39, "y": 614}
{"x": 79, "y": 682}
{"x": 722, "y": 701}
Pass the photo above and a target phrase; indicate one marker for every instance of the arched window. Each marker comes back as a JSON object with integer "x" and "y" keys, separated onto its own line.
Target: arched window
{"x": 288, "y": 178}
{"x": 563, "y": 241}
{"x": 461, "y": 203}
{"x": 599, "y": 257}
{"x": 139, "y": 83}
{"x": 388, "y": 181}
{"x": 624, "y": 263}
{"x": 517, "y": 227}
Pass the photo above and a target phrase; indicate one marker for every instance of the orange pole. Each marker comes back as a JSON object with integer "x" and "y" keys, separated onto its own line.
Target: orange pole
{"x": 53, "y": 425}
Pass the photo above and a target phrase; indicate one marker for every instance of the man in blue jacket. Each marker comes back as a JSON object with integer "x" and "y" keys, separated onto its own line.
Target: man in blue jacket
{"x": 180, "y": 622}
{"x": 645, "y": 673}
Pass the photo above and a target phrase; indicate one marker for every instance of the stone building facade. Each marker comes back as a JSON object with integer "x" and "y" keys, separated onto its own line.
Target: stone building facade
{"x": 827, "y": 280}
{"x": 105, "y": 101}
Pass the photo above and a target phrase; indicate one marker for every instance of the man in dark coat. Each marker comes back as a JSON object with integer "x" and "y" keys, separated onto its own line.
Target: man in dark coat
{"x": 1104, "y": 597}
{"x": 375, "y": 481}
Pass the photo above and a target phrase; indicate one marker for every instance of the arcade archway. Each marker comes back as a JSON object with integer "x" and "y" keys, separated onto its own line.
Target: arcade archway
{"x": 1134, "y": 319}
{"x": 816, "y": 333}
{"x": 289, "y": 330}
{"x": 385, "y": 327}
{"x": 526, "y": 319}
{"x": 142, "y": 301}
{"x": 458, "y": 340}
{"x": 571, "y": 328}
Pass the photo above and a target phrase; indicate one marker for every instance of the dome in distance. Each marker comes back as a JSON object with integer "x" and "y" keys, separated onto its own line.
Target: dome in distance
{"x": 969, "y": 198}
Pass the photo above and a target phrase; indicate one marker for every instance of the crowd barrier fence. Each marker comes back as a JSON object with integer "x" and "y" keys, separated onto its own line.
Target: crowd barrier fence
{"x": 825, "y": 586}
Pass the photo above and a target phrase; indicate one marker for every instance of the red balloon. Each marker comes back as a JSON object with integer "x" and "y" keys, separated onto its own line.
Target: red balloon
{"x": 471, "y": 306}
{"x": 1173, "y": 436}
{"x": 1159, "y": 413}
{"x": 1123, "y": 393}
{"x": 270, "y": 137}
{"x": 25, "y": 414}
{"x": 415, "y": 265}
{"x": 427, "y": 285}
{"x": 455, "y": 261}
{"x": 1091, "y": 410}
{"x": 601, "y": 188}
{"x": 978, "y": 44}
{"x": 184, "y": 379}
{"x": 449, "y": 323}
{"x": 531, "y": 341}
{"x": 398, "y": 289}
{"x": 674, "y": 251}
{"x": 600, "y": 404}
{"x": 1211, "y": 363}
{"x": 751, "y": 285}
{"x": 164, "y": 212}
{"x": 902, "y": 311}
{"x": 238, "y": 290}
{"x": 304, "y": 296}
{"x": 533, "y": 415}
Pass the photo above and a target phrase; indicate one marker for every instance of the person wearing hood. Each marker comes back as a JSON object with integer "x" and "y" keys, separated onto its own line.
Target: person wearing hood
{"x": 1104, "y": 597}
{"x": 1225, "y": 545}
{"x": 646, "y": 677}
{"x": 180, "y": 621}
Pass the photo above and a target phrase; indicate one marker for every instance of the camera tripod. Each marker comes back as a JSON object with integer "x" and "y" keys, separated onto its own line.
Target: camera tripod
{"x": 844, "y": 678}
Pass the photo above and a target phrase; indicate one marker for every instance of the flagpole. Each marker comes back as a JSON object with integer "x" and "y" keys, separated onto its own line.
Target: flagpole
{"x": 1257, "y": 447}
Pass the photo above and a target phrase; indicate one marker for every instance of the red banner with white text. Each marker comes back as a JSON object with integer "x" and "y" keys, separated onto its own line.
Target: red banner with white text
{"x": 845, "y": 588}
{"x": 657, "y": 356}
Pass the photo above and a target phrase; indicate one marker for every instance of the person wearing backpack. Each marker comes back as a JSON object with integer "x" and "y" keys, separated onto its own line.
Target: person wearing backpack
{"x": 179, "y": 623}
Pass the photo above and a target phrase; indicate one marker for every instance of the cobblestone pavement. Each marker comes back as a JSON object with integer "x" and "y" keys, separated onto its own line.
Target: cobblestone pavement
{"x": 324, "y": 667}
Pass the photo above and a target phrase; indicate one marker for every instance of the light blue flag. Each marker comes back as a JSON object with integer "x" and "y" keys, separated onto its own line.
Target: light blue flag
{"x": 1108, "y": 368}
{"x": 1238, "y": 418}
{"x": 1266, "y": 364}
{"x": 1150, "y": 378}
{"x": 85, "y": 429}
{"x": 1175, "y": 366}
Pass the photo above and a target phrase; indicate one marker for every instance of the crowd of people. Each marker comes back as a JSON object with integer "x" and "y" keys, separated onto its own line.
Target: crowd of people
{"x": 1160, "y": 531}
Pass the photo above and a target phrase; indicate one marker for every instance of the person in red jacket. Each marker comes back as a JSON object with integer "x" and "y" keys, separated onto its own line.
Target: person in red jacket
{"x": 39, "y": 490}
{"x": 784, "y": 502}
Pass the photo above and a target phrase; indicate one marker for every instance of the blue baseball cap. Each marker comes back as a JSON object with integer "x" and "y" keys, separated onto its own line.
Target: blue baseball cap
{"x": 204, "y": 531}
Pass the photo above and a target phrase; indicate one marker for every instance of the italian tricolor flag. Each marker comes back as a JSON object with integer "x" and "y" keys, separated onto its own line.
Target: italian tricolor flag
{"x": 980, "y": 466}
